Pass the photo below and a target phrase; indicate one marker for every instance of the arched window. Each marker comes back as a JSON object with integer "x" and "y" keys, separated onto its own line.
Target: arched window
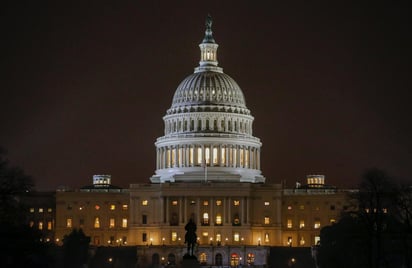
{"x": 199, "y": 156}
{"x": 215, "y": 156}
{"x": 223, "y": 156}
{"x": 203, "y": 258}
{"x": 218, "y": 259}
{"x": 191, "y": 157}
{"x": 250, "y": 258}
{"x": 155, "y": 259}
{"x": 234, "y": 260}
{"x": 207, "y": 155}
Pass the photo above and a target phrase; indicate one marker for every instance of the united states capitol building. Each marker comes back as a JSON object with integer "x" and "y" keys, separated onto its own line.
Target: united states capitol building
{"x": 208, "y": 170}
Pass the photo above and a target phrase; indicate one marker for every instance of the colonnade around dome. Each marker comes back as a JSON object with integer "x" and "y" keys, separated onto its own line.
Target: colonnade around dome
{"x": 208, "y": 122}
{"x": 194, "y": 155}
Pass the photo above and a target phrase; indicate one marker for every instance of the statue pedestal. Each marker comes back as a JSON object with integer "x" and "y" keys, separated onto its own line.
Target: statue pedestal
{"x": 190, "y": 262}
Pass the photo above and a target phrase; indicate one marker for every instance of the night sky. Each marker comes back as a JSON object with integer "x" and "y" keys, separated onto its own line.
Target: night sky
{"x": 84, "y": 86}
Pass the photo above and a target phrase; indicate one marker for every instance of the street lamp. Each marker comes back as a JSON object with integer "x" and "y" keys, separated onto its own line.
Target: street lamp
{"x": 163, "y": 241}
{"x": 259, "y": 241}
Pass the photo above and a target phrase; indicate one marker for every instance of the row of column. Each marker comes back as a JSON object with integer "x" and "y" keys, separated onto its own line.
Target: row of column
{"x": 185, "y": 209}
{"x": 220, "y": 124}
{"x": 188, "y": 155}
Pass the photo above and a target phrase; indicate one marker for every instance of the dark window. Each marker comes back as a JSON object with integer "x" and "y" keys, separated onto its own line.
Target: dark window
{"x": 218, "y": 259}
{"x": 174, "y": 219}
{"x": 332, "y": 207}
{"x": 144, "y": 237}
{"x": 144, "y": 219}
{"x": 155, "y": 259}
{"x": 171, "y": 259}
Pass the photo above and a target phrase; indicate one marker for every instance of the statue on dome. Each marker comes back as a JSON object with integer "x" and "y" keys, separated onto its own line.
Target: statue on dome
{"x": 190, "y": 237}
{"x": 209, "y": 21}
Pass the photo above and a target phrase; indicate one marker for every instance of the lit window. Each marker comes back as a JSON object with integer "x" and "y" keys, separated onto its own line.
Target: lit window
{"x": 199, "y": 156}
{"x": 40, "y": 210}
{"x": 203, "y": 258}
{"x": 267, "y": 237}
{"x": 218, "y": 219}
{"x": 302, "y": 241}
{"x": 218, "y": 237}
{"x": 111, "y": 223}
{"x": 250, "y": 258}
{"x": 205, "y": 203}
{"x": 49, "y": 225}
{"x": 205, "y": 234}
{"x": 96, "y": 222}
{"x": 289, "y": 241}
{"x": 301, "y": 224}
{"x": 40, "y": 225}
{"x": 332, "y": 221}
{"x": 302, "y": 207}
{"x": 214, "y": 156}
{"x": 69, "y": 222}
{"x": 317, "y": 240}
{"x": 317, "y": 224}
{"x": 205, "y": 219}
{"x": 97, "y": 207}
{"x": 112, "y": 207}
{"x": 223, "y": 156}
{"x": 192, "y": 202}
{"x": 49, "y": 210}
{"x": 207, "y": 155}
{"x": 236, "y": 202}
{"x": 289, "y": 207}
{"x": 31, "y": 210}
{"x": 145, "y": 203}
{"x": 385, "y": 210}
{"x": 124, "y": 223}
{"x": 31, "y": 224}
{"x": 267, "y": 203}
{"x": 289, "y": 223}
{"x": 125, "y": 207}
{"x": 174, "y": 202}
{"x": 236, "y": 237}
{"x": 174, "y": 236}
{"x": 267, "y": 220}
{"x": 218, "y": 202}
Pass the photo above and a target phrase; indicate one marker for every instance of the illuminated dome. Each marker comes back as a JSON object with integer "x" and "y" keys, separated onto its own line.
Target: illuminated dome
{"x": 208, "y": 88}
{"x": 208, "y": 128}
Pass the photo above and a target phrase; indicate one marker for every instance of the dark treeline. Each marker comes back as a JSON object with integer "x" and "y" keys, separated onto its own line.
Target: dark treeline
{"x": 22, "y": 245}
{"x": 376, "y": 231}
